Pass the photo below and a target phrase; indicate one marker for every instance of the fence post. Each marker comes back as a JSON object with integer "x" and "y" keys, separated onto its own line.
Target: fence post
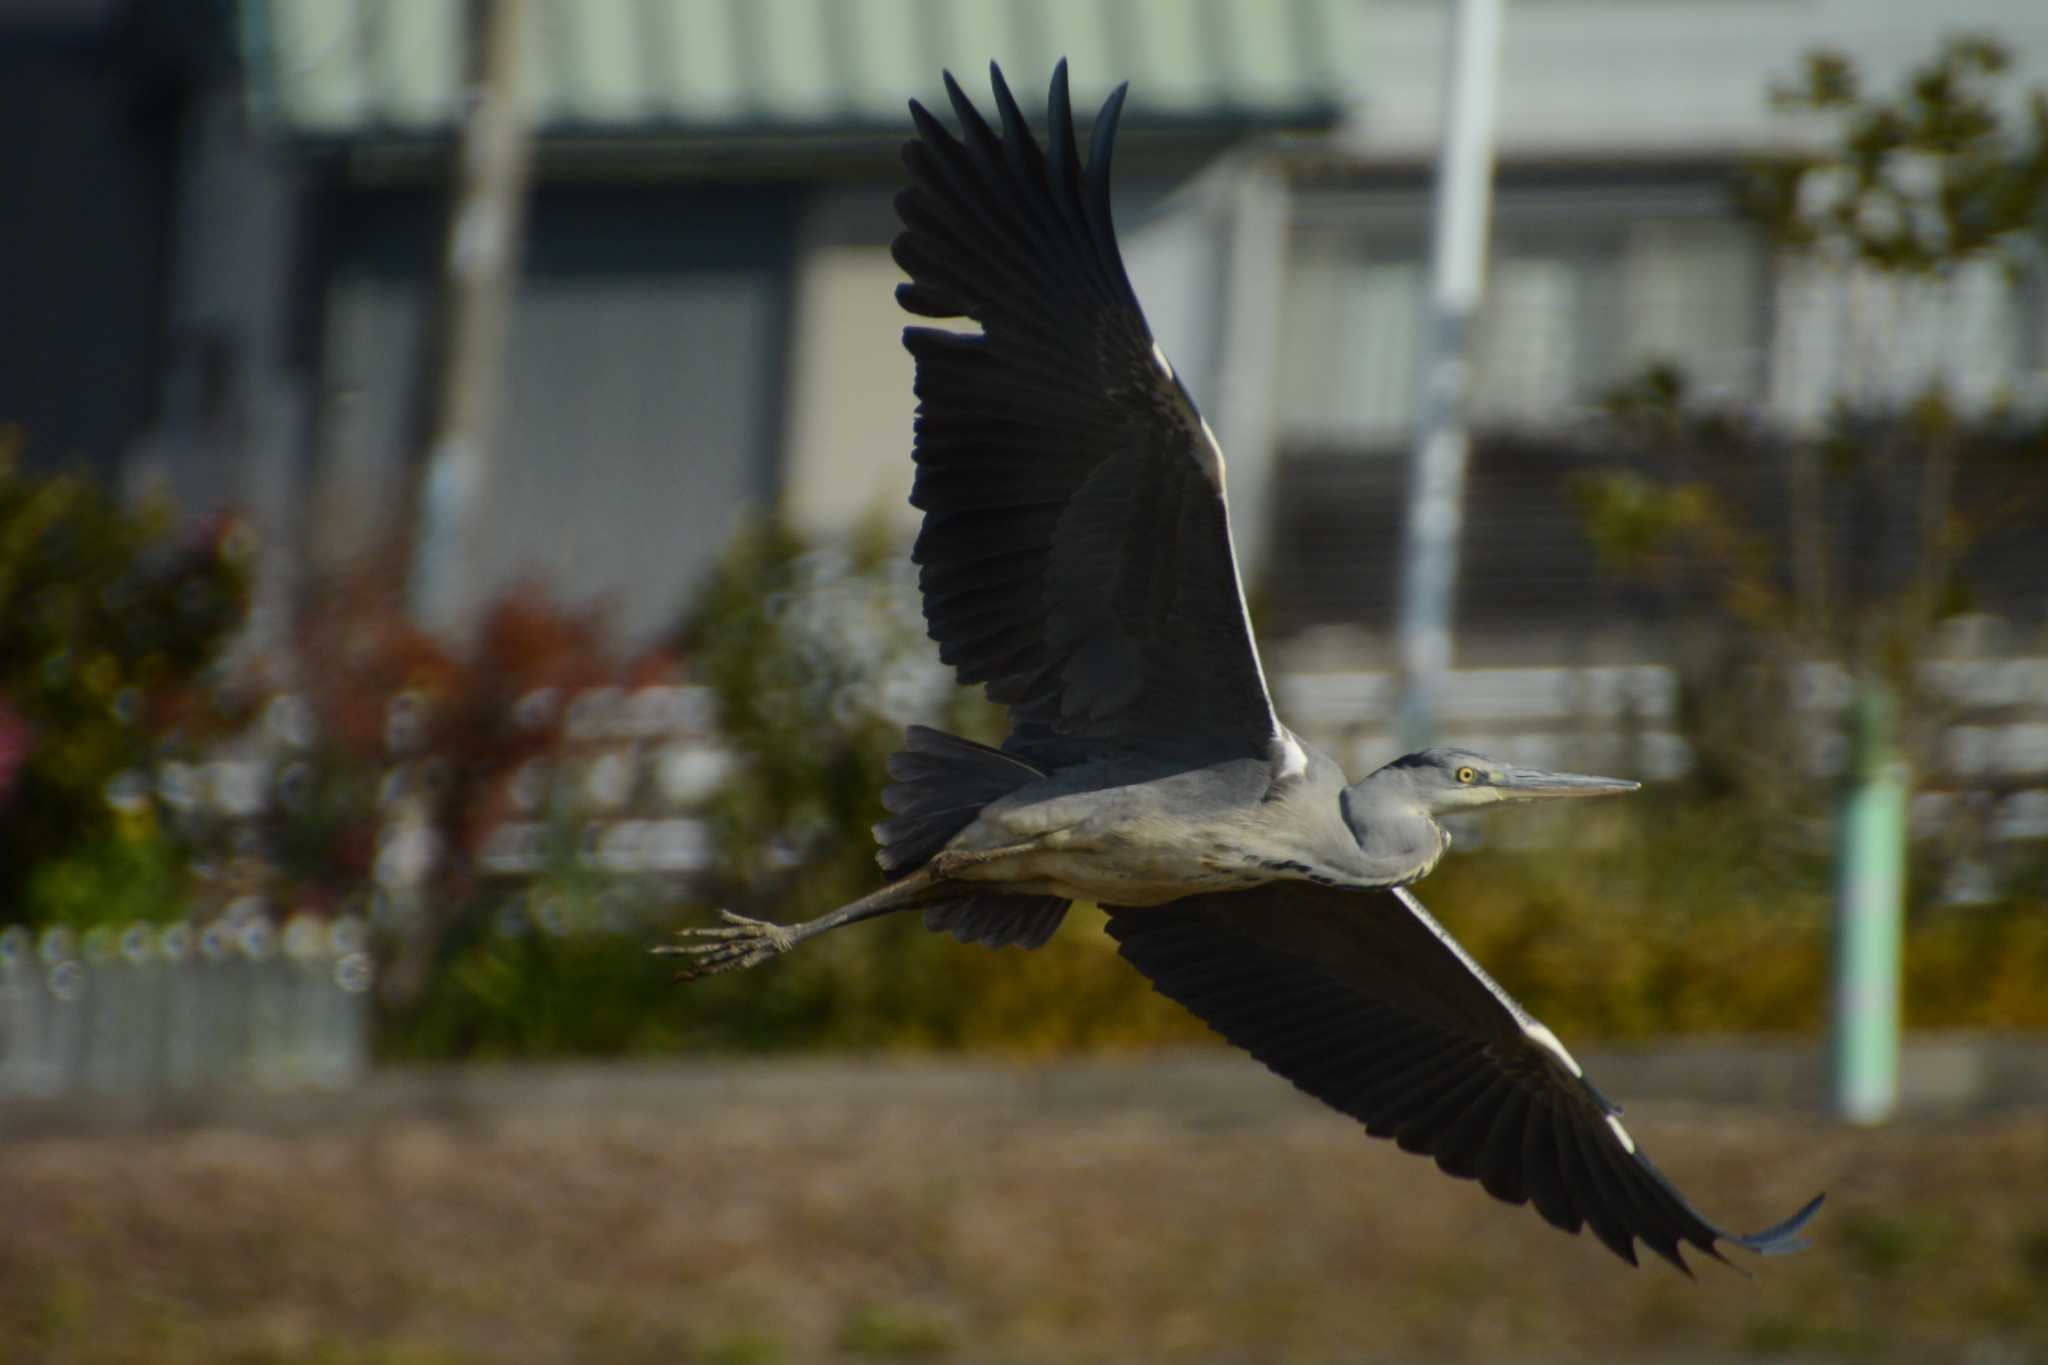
{"x": 21, "y": 1022}
{"x": 1870, "y": 879}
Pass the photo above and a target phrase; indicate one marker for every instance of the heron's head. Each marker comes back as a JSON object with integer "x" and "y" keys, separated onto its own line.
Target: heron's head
{"x": 1449, "y": 781}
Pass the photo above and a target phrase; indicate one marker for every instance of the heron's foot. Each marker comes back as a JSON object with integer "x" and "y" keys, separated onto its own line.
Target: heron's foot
{"x": 741, "y": 942}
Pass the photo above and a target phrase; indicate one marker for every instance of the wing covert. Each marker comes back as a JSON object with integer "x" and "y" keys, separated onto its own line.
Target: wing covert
{"x": 1362, "y": 1000}
{"x": 1075, "y": 554}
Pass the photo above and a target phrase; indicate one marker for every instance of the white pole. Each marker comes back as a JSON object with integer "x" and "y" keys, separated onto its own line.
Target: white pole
{"x": 479, "y": 275}
{"x": 1436, "y": 488}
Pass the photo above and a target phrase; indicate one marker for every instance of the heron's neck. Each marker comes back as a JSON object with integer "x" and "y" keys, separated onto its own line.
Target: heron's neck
{"x": 1398, "y": 840}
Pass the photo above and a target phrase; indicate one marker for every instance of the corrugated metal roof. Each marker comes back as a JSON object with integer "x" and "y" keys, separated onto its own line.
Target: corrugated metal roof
{"x": 369, "y": 69}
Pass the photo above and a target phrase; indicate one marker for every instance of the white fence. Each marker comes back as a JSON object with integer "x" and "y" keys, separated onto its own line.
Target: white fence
{"x": 163, "y": 1010}
{"x": 151, "y": 1010}
{"x": 639, "y": 764}
{"x": 1993, "y": 758}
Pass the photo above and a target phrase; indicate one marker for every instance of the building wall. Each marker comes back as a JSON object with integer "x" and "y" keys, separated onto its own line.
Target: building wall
{"x": 851, "y": 406}
{"x": 1614, "y": 244}
{"x": 851, "y": 402}
{"x": 643, "y": 388}
{"x": 1591, "y": 276}
{"x": 1624, "y": 78}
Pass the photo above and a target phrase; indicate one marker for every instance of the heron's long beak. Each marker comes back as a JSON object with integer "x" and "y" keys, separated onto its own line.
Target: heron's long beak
{"x": 1532, "y": 784}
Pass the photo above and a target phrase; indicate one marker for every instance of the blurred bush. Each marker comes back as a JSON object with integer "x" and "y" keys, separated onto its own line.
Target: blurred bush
{"x": 816, "y": 658}
{"x": 378, "y": 760}
{"x": 1675, "y": 917}
{"x": 366, "y": 767}
{"x": 1854, "y": 542}
{"x": 111, "y": 627}
{"x": 1684, "y": 913}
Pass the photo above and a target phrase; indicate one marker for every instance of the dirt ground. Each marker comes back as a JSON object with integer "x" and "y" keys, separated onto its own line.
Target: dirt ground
{"x": 929, "y": 1227}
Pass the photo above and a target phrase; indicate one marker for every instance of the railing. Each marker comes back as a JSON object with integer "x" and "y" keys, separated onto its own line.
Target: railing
{"x": 1992, "y": 762}
{"x": 150, "y": 1010}
{"x": 662, "y": 743}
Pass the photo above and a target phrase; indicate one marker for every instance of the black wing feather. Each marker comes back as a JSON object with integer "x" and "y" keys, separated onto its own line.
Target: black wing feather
{"x": 1362, "y": 1000}
{"x": 1055, "y": 443}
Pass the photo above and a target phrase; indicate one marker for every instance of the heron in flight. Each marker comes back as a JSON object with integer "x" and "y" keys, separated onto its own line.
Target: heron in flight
{"x": 1075, "y": 560}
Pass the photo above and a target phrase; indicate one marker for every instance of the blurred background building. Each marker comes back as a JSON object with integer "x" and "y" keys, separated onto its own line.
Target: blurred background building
{"x": 241, "y": 204}
{"x": 226, "y": 237}
{"x": 266, "y": 824}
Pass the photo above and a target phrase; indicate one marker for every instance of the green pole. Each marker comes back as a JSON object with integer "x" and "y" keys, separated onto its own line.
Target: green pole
{"x": 1870, "y": 881}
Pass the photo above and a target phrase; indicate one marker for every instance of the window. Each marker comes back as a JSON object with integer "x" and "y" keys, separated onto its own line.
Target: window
{"x": 1581, "y": 293}
{"x": 1857, "y": 336}
{"x": 1350, "y": 337}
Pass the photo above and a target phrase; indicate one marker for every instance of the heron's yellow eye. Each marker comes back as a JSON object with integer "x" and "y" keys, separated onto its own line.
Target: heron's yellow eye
{"x": 1467, "y": 776}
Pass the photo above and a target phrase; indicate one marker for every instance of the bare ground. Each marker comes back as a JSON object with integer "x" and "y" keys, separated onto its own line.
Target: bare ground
{"x": 924, "y": 1224}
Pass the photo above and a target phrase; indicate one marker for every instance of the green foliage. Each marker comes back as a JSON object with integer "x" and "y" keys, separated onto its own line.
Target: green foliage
{"x": 2032, "y": 1251}
{"x": 743, "y": 1348}
{"x": 875, "y": 1331}
{"x": 538, "y": 993}
{"x": 395, "y": 733}
{"x": 1809, "y": 1333}
{"x": 1691, "y": 913}
{"x": 1912, "y": 183}
{"x": 1747, "y": 531}
{"x": 1693, "y": 919}
{"x": 1889, "y": 1245}
{"x": 109, "y": 625}
{"x": 130, "y": 874}
{"x": 1982, "y": 969}
{"x": 1687, "y": 921}
{"x": 1909, "y": 188}
{"x": 817, "y": 658}
{"x": 798, "y": 646}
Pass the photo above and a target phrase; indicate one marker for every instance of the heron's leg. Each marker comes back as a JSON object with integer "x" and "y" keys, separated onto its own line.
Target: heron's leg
{"x": 744, "y": 942}
{"x": 951, "y": 862}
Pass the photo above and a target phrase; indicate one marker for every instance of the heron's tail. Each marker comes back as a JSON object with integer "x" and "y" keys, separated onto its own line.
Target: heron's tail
{"x": 940, "y": 784}
{"x": 998, "y": 921}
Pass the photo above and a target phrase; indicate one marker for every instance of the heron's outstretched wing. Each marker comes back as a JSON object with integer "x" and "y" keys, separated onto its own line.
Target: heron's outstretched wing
{"x": 1362, "y": 1000}
{"x": 1075, "y": 552}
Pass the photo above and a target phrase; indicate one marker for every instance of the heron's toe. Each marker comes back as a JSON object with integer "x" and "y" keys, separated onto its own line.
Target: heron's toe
{"x": 741, "y": 942}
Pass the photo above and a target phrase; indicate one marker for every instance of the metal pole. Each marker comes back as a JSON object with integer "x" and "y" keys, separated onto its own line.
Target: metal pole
{"x": 1436, "y": 484}
{"x": 1870, "y": 881}
{"x": 481, "y": 268}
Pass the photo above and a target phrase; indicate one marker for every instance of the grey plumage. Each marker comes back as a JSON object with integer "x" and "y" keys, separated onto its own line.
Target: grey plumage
{"x": 1075, "y": 560}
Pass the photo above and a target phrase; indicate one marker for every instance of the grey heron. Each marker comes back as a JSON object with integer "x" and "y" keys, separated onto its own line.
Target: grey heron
{"x": 1075, "y": 559}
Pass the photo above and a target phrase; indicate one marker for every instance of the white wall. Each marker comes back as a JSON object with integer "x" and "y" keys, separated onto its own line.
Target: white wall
{"x": 851, "y": 405}
{"x": 851, "y": 408}
{"x": 1654, "y": 77}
